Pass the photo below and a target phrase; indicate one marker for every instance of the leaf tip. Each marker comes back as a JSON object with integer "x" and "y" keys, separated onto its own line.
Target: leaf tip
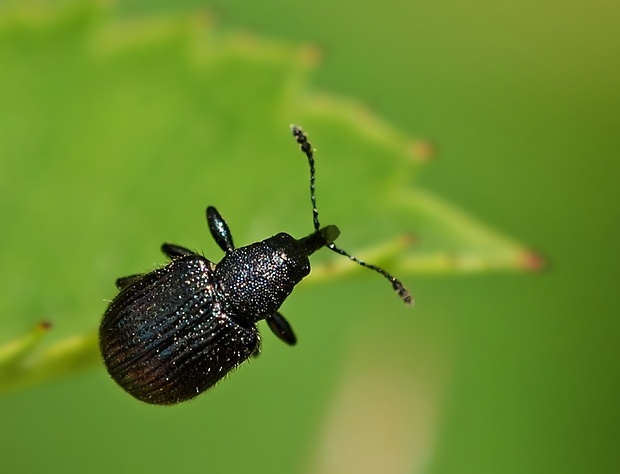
{"x": 533, "y": 261}
{"x": 422, "y": 151}
{"x": 44, "y": 325}
{"x": 311, "y": 54}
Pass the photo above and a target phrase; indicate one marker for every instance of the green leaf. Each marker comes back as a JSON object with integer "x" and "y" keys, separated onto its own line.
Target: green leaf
{"x": 115, "y": 134}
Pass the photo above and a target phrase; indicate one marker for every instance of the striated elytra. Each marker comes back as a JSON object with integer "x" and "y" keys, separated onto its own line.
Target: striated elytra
{"x": 172, "y": 333}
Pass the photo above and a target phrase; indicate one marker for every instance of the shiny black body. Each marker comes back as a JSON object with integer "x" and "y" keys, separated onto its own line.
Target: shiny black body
{"x": 172, "y": 333}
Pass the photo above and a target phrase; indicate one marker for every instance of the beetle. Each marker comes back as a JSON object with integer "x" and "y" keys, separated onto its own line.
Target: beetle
{"x": 171, "y": 334}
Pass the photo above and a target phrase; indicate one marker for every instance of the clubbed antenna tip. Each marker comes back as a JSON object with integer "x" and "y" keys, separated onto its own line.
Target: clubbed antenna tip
{"x": 302, "y": 139}
{"x": 402, "y": 292}
{"x": 307, "y": 149}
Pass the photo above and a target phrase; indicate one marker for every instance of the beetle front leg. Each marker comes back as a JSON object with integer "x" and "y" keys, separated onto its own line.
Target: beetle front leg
{"x": 281, "y": 328}
{"x": 219, "y": 230}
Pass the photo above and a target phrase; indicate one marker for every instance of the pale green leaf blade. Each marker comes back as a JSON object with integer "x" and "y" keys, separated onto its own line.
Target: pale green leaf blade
{"x": 116, "y": 134}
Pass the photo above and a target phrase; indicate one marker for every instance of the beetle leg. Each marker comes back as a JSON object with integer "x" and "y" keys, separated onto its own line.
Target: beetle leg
{"x": 219, "y": 230}
{"x": 173, "y": 251}
{"x": 124, "y": 282}
{"x": 256, "y": 351}
{"x": 281, "y": 328}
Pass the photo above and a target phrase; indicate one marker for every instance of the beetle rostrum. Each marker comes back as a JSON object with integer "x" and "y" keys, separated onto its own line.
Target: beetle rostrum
{"x": 172, "y": 333}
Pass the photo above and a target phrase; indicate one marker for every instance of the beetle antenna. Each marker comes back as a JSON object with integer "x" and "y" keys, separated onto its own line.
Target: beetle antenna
{"x": 396, "y": 283}
{"x": 306, "y": 147}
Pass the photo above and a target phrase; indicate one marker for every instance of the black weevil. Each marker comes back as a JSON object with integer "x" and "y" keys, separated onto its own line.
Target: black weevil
{"x": 172, "y": 333}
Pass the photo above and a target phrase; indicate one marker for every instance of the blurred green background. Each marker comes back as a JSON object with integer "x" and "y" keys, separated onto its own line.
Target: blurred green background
{"x": 489, "y": 373}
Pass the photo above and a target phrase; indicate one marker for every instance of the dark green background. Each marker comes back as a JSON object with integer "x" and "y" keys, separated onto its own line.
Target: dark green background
{"x": 521, "y": 99}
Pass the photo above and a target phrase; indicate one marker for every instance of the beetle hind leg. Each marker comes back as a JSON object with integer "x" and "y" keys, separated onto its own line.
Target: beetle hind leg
{"x": 124, "y": 282}
{"x": 173, "y": 251}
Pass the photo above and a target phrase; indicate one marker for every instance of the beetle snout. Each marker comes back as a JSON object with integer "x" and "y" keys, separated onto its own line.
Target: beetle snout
{"x": 330, "y": 233}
